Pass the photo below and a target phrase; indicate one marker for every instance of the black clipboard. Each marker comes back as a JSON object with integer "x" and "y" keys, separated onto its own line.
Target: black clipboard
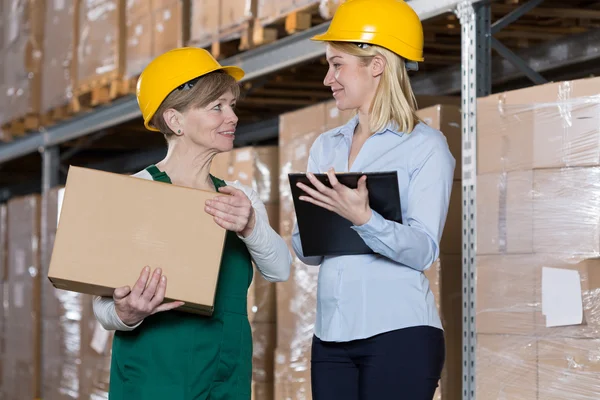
{"x": 325, "y": 233}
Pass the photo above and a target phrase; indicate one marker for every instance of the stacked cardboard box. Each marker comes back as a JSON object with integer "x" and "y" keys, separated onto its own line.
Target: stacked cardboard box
{"x": 22, "y": 55}
{"x": 22, "y": 361}
{"x": 445, "y": 274}
{"x": 58, "y": 54}
{"x": 61, "y": 319}
{"x": 150, "y": 34}
{"x": 296, "y": 298}
{"x": 538, "y": 242}
{"x": 213, "y": 19}
{"x": 100, "y": 30}
{"x": 258, "y": 168}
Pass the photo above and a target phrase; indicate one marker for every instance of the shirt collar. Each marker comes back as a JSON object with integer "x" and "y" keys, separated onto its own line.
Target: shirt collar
{"x": 347, "y": 130}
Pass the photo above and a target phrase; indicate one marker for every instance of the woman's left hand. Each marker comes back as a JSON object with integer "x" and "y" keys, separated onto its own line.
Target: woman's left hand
{"x": 352, "y": 204}
{"x": 234, "y": 212}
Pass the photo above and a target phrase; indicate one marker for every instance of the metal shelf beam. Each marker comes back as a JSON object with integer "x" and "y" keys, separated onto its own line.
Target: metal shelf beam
{"x": 258, "y": 62}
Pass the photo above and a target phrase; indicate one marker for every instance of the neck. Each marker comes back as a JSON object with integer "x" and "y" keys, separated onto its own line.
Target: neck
{"x": 362, "y": 129}
{"x": 188, "y": 165}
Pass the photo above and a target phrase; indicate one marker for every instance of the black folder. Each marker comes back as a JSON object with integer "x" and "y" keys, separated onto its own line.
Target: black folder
{"x": 325, "y": 233}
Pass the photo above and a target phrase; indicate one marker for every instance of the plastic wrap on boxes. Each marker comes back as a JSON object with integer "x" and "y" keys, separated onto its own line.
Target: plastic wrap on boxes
{"x": 153, "y": 27}
{"x": 101, "y": 42}
{"x": 296, "y": 298}
{"x": 59, "y": 49}
{"x": 96, "y": 345}
{"x": 22, "y": 362}
{"x": 538, "y": 243}
{"x": 22, "y": 55}
{"x": 61, "y": 323}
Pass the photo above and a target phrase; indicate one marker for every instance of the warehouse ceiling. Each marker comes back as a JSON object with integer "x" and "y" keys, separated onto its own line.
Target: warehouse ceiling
{"x": 536, "y": 35}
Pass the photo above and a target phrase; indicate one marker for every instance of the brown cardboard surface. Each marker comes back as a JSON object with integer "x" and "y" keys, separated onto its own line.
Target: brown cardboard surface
{"x": 506, "y": 294}
{"x": 96, "y": 344}
{"x": 22, "y": 366}
{"x": 263, "y": 357}
{"x": 565, "y": 211}
{"x": 139, "y": 24}
{"x": 59, "y": 42}
{"x": 505, "y": 213}
{"x": 168, "y": 26}
{"x": 109, "y": 230}
{"x": 23, "y": 41}
{"x": 262, "y": 391}
{"x": 544, "y": 126}
{"x": 61, "y": 324}
{"x": 234, "y": 12}
{"x": 506, "y": 367}
{"x": 101, "y": 41}
{"x": 451, "y": 242}
{"x": 448, "y": 120}
{"x": 205, "y": 19}
{"x": 568, "y": 369}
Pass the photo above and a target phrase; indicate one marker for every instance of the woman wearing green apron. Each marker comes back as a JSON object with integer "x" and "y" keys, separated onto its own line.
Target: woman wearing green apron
{"x": 159, "y": 352}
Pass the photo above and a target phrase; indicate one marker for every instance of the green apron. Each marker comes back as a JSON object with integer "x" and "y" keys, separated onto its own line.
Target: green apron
{"x": 180, "y": 356}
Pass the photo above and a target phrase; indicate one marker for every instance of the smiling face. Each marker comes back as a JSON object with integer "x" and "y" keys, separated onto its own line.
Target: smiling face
{"x": 212, "y": 126}
{"x": 353, "y": 80}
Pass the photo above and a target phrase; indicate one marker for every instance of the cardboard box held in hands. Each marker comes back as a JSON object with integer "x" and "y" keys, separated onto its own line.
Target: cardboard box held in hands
{"x": 111, "y": 226}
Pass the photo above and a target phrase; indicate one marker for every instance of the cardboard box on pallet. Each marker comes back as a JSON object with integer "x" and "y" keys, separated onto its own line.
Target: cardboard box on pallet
{"x": 22, "y": 363}
{"x": 150, "y": 34}
{"x": 101, "y": 32}
{"x": 538, "y": 271}
{"x": 61, "y": 320}
{"x": 58, "y": 56}
{"x": 123, "y": 233}
{"x": 205, "y": 21}
{"x": 22, "y": 56}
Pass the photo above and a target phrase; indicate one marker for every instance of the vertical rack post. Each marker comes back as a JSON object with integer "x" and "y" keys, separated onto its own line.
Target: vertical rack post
{"x": 476, "y": 81}
{"x": 50, "y": 178}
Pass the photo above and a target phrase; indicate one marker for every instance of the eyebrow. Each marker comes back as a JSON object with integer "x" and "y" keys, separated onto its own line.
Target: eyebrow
{"x": 334, "y": 57}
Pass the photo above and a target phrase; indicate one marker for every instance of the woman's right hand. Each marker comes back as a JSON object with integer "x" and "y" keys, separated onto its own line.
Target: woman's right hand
{"x": 145, "y": 299}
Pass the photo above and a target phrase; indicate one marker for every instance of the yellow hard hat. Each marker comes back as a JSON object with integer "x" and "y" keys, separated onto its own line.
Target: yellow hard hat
{"x": 391, "y": 24}
{"x": 169, "y": 71}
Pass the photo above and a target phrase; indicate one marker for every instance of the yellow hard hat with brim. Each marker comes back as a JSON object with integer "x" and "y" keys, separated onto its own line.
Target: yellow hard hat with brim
{"x": 171, "y": 70}
{"x": 391, "y": 24}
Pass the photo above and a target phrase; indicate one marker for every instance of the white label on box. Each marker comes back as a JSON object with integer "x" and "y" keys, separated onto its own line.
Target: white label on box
{"x": 561, "y": 297}
{"x": 99, "y": 339}
{"x": 243, "y": 155}
{"x": 18, "y": 294}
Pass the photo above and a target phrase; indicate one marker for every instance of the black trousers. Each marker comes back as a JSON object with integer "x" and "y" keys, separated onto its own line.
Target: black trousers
{"x": 405, "y": 364}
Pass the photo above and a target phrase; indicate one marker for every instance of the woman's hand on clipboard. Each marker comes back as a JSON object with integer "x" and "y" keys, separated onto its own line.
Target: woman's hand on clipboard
{"x": 352, "y": 204}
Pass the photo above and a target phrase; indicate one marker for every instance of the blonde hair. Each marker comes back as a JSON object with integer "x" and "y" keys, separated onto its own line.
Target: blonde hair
{"x": 394, "y": 101}
{"x": 199, "y": 93}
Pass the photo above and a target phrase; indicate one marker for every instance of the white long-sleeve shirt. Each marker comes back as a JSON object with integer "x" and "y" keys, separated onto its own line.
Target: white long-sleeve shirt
{"x": 267, "y": 249}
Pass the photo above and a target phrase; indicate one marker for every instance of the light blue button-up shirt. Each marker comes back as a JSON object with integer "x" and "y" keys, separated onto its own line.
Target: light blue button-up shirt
{"x": 359, "y": 296}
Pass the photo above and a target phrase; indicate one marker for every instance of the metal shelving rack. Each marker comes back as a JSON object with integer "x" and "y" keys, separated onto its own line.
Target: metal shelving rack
{"x": 475, "y": 81}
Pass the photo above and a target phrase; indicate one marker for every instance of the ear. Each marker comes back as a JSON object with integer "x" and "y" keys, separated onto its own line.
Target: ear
{"x": 175, "y": 120}
{"x": 377, "y": 65}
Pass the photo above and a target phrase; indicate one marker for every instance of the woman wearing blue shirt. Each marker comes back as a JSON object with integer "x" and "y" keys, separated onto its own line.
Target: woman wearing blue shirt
{"x": 378, "y": 334}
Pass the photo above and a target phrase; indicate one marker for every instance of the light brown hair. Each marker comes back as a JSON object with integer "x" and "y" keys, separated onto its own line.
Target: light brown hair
{"x": 203, "y": 91}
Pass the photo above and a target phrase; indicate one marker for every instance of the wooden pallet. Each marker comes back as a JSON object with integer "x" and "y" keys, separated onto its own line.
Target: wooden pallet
{"x": 20, "y": 126}
{"x": 56, "y": 115}
{"x": 98, "y": 92}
